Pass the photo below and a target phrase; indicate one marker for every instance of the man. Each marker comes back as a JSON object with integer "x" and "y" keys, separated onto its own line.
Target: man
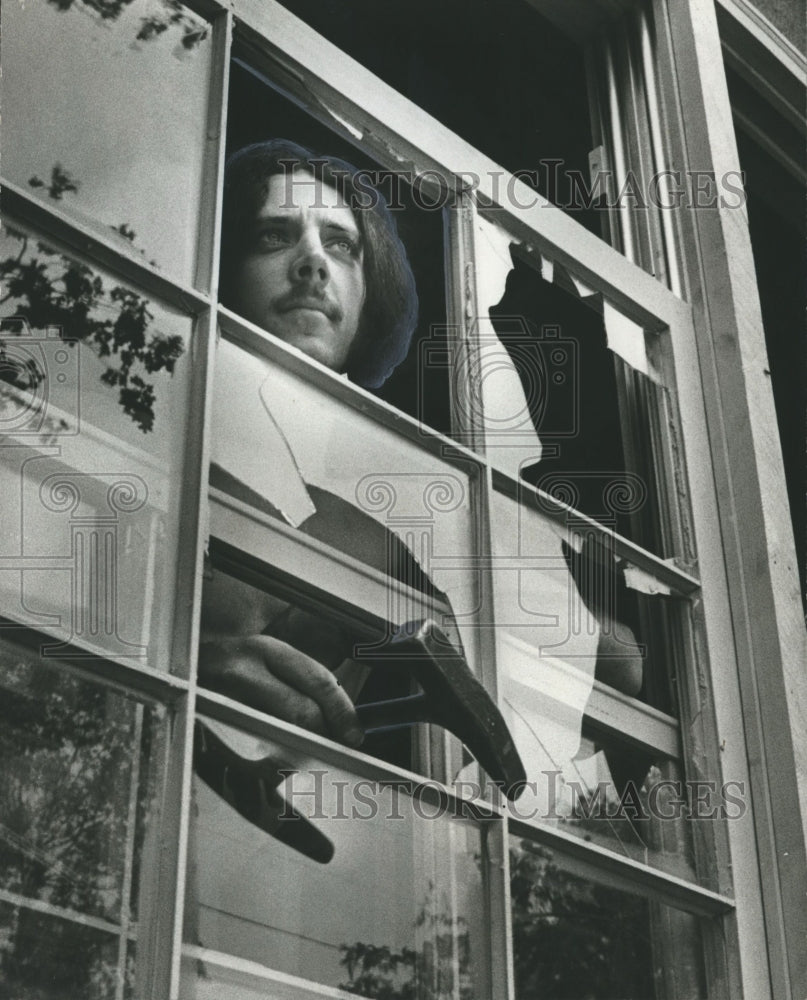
{"x": 317, "y": 262}
{"x": 315, "y": 259}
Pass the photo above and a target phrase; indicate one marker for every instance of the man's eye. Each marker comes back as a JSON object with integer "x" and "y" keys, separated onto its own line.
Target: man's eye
{"x": 345, "y": 245}
{"x": 271, "y": 239}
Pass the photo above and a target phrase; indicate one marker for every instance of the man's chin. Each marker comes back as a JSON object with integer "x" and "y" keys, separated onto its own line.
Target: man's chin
{"x": 316, "y": 340}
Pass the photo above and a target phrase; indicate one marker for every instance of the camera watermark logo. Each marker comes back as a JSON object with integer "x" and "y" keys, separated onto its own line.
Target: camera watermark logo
{"x": 517, "y": 383}
{"x": 39, "y": 381}
{"x": 65, "y": 518}
{"x": 412, "y": 506}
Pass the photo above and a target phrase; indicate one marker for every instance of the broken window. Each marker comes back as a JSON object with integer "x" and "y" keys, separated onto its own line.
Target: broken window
{"x": 570, "y": 401}
{"x": 259, "y": 112}
{"x": 509, "y": 77}
{"x": 564, "y": 599}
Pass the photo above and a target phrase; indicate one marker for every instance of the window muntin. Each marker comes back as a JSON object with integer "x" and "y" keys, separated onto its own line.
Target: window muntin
{"x": 78, "y": 813}
{"x": 94, "y": 398}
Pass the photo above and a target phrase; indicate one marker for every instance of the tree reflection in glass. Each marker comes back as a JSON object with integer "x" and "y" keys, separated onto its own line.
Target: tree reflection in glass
{"x": 76, "y": 799}
{"x": 50, "y": 290}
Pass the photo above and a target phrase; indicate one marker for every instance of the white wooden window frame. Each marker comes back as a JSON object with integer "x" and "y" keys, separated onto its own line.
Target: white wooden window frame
{"x": 764, "y": 685}
{"x": 345, "y": 91}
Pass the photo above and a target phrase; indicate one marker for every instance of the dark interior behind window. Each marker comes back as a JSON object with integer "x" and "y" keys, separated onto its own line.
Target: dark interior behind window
{"x": 496, "y": 72}
{"x": 777, "y": 226}
{"x": 256, "y": 113}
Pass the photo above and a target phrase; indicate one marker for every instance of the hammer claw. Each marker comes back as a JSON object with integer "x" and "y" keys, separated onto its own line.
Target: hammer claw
{"x": 451, "y": 697}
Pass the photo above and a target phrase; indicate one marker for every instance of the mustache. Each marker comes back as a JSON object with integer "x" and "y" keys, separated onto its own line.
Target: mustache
{"x": 298, "y": 299}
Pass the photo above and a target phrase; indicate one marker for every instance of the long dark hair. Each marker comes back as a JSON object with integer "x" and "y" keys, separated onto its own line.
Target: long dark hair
{"x": 389, "y": 314}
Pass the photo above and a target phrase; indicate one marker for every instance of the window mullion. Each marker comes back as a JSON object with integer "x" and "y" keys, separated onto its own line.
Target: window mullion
{"x": 160, "y": 910}
{"x": 175, "y": 831}
{"x": 99, "y": 248}
{"x": 197, "y": 452}
{"x": 207, "y": 261}
{"x": 600, "y": 863}
{"x": 467, "y": 419}
{"x": 497, "y": 874}
{"x": 470, "y": 425}
{"x": 165, "y": 958}
{"x": 496, "y": 859}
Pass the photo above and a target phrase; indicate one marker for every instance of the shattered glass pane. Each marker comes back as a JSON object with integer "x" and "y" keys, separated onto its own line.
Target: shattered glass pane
{"x": 562, "y": 623}
{"x": 570, "y": 395}
{"x": 295, "y": 453}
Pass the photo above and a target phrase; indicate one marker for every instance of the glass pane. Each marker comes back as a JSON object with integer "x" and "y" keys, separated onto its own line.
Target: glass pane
{"x": 294, "y": 451}
{"x": 308, "y": 904}
{"x": 632, "y": 802}
{"x": 568, "y": 392}
{"x": 76, "y": 787}
{"x": 575, "y": 938}
{"x": 565, "y": 618}
{"x": 104, "y": 115}
{"x": 47, "y": 958}
{"x": 94, "y": 392}
{"x": 78, "y": 771}
{"x": 562, "y": 592}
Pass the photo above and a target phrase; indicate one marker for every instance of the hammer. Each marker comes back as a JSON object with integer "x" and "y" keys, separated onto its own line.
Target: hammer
{"x": 450, "y": 697}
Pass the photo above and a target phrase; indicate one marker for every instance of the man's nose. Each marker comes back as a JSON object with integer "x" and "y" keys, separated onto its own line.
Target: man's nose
{"x": 310, "y": 265}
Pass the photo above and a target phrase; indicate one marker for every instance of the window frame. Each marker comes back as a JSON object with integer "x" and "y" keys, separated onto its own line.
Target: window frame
{"x": 339, "y": 91}
{"x": 360, "y": 101}
{"x": 763, "y": 682}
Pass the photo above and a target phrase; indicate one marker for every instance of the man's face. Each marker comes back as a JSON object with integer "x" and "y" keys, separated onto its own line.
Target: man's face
{"x": 302, "y": 277}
